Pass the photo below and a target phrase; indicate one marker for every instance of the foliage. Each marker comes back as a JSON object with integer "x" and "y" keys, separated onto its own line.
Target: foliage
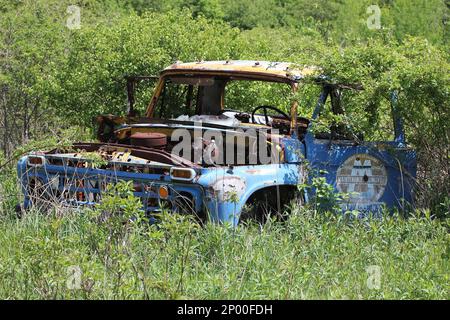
{"x": 344, "y": 21}
{"x": 54, "y": 80}
{"x": 307, "y": 257}
{"x": 54, "y": 77}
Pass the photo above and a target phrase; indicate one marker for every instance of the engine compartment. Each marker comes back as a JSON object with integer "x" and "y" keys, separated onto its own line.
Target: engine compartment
{"x": 204, "y": 146}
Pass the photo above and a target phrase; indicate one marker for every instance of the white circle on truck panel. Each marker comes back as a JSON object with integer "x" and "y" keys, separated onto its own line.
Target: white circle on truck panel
{"x": 229, "y": 187}
{"x": 364, "y": 177}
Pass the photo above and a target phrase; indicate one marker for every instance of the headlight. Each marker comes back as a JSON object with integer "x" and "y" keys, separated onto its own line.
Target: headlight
{"x": 183, "y": 174}
{"x": 36, "y": 161}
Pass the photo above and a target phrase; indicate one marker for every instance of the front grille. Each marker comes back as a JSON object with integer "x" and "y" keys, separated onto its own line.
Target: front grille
{"x": 77, "y": 186}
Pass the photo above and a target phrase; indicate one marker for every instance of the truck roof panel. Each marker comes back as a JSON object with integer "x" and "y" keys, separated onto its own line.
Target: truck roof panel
{"x": 282, "y": 70}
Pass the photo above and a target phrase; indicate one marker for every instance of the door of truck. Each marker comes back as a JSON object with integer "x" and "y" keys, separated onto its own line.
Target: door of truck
{"x": 372, "y": 174}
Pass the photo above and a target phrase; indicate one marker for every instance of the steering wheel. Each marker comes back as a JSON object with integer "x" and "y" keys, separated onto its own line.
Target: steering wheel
{"x": 265, "y": 108}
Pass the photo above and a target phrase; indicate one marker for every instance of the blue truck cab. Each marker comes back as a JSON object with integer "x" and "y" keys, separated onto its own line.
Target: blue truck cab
{"x": 192, "y": 154}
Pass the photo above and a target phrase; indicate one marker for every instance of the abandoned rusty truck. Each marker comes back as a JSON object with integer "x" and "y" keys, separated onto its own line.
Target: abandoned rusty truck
{"x": 202, "y": 149}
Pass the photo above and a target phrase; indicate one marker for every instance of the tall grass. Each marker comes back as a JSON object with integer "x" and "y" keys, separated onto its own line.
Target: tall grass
{"x": 309, "y": 256}
{"x": 103, "y": 254}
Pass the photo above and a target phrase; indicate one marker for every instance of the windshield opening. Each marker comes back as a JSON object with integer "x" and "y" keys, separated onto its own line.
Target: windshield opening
{"x": 188, "y": 97}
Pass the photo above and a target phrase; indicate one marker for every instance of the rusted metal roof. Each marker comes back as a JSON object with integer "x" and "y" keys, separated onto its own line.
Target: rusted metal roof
{"x": 282, "y": 70}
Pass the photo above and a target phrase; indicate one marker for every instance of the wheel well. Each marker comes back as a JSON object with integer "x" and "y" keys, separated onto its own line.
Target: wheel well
{"x": 286, "y": 192}
{"x": 268, "y": 196}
